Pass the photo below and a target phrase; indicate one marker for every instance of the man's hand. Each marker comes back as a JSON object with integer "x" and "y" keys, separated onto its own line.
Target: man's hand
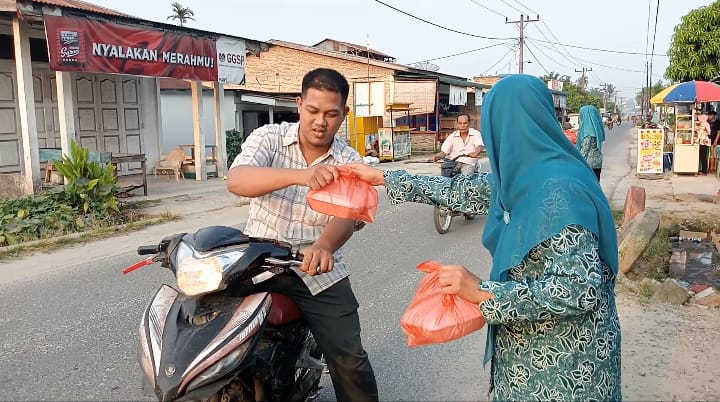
{"x": 368, "y": 174}
{"x": 474, "y": 154}
{"x": 457, "y": 280}
{"x": 317, "y": 260}
{"x": 319, "y": 176}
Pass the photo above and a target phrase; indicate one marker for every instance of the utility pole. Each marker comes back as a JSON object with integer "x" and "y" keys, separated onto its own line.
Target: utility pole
{"x": 605, "y": 96}
{"x": 582, "y": 77}
{"x": 524, "y": 20}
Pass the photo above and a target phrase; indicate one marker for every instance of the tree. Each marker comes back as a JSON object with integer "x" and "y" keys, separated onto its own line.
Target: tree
{"x": 695, "y": 48}
{"x": 579, "y": 97}
{"x": 641, "y": 96}
{"x": 181, "y": 13}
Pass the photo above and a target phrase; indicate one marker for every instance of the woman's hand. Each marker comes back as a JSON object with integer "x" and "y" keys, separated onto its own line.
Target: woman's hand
{"x": 457, "y": 280}
{"x": 369, "y": 174}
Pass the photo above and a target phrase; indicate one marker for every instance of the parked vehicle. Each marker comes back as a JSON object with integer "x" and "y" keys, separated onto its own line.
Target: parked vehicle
{"x": 442, "y": 216}
{"x": 214, "y": 338}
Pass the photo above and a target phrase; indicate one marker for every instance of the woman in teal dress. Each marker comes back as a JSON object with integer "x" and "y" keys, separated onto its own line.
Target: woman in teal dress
{"x": 590, "y": 137}
{"x": 554, "y": 332}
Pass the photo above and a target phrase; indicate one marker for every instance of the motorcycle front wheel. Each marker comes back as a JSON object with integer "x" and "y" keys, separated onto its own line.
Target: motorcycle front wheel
{"x": 442, "y": 219}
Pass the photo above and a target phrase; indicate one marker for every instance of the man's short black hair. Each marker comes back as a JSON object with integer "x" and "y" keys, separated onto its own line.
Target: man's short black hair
{"x": 711, "y": 113}
{"x": 461, "y": 115}
{"x": 326, "y": 79}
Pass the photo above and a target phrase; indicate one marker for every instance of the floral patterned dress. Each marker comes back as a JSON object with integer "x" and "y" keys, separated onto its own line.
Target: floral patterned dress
{"x": 590, "y": 151}
{"x": 559, "y": 333}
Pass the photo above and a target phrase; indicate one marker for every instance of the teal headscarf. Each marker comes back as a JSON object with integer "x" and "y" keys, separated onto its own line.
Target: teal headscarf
{"x": 541, "y": 183}
{"x": 591, "y": 125}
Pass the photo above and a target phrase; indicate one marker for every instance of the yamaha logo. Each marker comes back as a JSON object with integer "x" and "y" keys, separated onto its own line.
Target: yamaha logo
{"x": 169, "y": 370}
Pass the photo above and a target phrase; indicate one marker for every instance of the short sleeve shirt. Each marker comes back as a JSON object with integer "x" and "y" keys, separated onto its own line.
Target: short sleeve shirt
{"x": 454, "y": 145}
{"x": 284, "y": 215}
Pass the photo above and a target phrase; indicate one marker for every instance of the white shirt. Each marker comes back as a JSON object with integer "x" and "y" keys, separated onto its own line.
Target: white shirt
{"x": 454, "y": 145}
{"x": 284, "y": 214}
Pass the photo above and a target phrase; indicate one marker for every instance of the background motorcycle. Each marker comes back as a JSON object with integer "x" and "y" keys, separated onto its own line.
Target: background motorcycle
{"x": 442, "y": 216}
{"x": 215, "y": 338}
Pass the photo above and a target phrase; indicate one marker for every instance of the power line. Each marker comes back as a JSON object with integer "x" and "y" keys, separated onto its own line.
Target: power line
{"x": 537, "y": 60}
{"x": 594, "y": 48}
{"x": 657, "y": 11}
{"x": 437, "y": 25}
{"x": 565, "y": 55}
{"x": 462, "y": 53}
{"x": 548, "y": 57}
{"x": 513, "y": 7}
{"x": 487, "y": 8}
{"x": 534, "y": 41}
{"x": 526, "y": 7}
{"x": 497, "y": 62}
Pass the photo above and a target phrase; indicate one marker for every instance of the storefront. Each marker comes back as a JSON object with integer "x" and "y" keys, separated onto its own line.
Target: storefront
{"x": 78, "y": 71}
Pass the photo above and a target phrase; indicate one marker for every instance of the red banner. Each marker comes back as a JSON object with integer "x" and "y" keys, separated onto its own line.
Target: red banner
{"x": 77, "y": 44}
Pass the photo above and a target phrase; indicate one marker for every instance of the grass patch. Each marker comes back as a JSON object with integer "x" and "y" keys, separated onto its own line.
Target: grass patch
{"x": 140, "y": 204}
{"x": 645, "y": 290}
{"x": 133, "y": 223}
{"x": 617, "y": 215}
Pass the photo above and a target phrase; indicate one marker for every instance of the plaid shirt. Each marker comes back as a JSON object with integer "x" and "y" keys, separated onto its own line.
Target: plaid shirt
{"x": 284, "y": 215}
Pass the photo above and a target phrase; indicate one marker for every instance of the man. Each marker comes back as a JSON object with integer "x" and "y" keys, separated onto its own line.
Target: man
{"x": 714, "y": 138}
{"x": 277, "y": 166}
{"x": 463, "y": 141}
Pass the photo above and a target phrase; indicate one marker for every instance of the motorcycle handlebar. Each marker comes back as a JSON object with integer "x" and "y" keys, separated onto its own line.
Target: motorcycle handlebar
{"x": 146, "y": 250}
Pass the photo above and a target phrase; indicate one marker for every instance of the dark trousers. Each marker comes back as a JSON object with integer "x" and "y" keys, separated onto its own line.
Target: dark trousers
{"x": 597, "y": 173}
{"x": 333, "y": 319}
{"x": 704, "y": 152}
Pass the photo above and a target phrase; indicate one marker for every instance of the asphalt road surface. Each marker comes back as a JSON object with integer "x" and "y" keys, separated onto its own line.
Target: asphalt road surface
{"x": 72, "y": 334}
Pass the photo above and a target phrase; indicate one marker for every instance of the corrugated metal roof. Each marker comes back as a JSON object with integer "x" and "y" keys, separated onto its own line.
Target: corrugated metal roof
{"x": 83, "y": 6}
{"x": 354, "y": 46}
{"x": 464, "y": 83}
{"x": 339, "y": 55}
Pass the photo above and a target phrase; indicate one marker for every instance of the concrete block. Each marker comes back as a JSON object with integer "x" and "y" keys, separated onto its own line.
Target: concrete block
{"x": 634, "y": 204}
{"x": 672, "y": 292}
{"x": 637, "y": 238}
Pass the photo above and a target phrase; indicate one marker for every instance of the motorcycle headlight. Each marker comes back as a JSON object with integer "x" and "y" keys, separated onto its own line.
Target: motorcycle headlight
{"x": 199, "y": 273}
{"x": 197, "y": 276}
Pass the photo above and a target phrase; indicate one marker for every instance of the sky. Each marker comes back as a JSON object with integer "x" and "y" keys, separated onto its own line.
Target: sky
{"x": 620, "y": 25}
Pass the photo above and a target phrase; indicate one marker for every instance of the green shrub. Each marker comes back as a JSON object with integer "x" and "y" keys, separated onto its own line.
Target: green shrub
{"x": 90, "y": 187}
{"x": 37, "y": 217}
{"x": 233, "y": 143}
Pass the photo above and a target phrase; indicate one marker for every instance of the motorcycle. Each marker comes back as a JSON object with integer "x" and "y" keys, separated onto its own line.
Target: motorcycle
{"x": 215, "y": 338}
{"x": 442, "y": 216}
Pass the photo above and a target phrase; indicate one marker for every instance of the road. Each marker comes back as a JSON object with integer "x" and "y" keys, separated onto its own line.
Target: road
{"x": 70, "y": 333}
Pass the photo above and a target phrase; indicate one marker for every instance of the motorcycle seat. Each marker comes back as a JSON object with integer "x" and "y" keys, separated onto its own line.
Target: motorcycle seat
{"x": 284, "y": 310}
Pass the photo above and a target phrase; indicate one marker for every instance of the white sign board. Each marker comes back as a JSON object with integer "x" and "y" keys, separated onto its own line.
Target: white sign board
{"x": 231, "y": 60}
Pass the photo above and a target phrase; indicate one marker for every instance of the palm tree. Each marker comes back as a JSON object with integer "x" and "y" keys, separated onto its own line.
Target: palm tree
{"x": 181, "y": 13}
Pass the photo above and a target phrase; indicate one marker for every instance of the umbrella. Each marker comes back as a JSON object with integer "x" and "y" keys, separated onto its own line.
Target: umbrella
{"x": 691, "y": 91}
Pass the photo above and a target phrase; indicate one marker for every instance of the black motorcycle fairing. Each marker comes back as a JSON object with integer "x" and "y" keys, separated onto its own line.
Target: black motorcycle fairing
{"x": 255, "y": 254}
{"x": 212, "y": 237}
{"x": 181, "y": 335}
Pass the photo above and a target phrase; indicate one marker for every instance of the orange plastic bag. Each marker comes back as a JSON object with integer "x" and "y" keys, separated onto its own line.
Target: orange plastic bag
{"x": 571, "y": 135}
{"x": 436, "y": 318}
{"x": 348, "y": 197}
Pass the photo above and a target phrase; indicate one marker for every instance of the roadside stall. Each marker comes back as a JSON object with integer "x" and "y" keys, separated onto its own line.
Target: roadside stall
{"x": 680, "y": 147}
{"x": 394, "y": 141}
